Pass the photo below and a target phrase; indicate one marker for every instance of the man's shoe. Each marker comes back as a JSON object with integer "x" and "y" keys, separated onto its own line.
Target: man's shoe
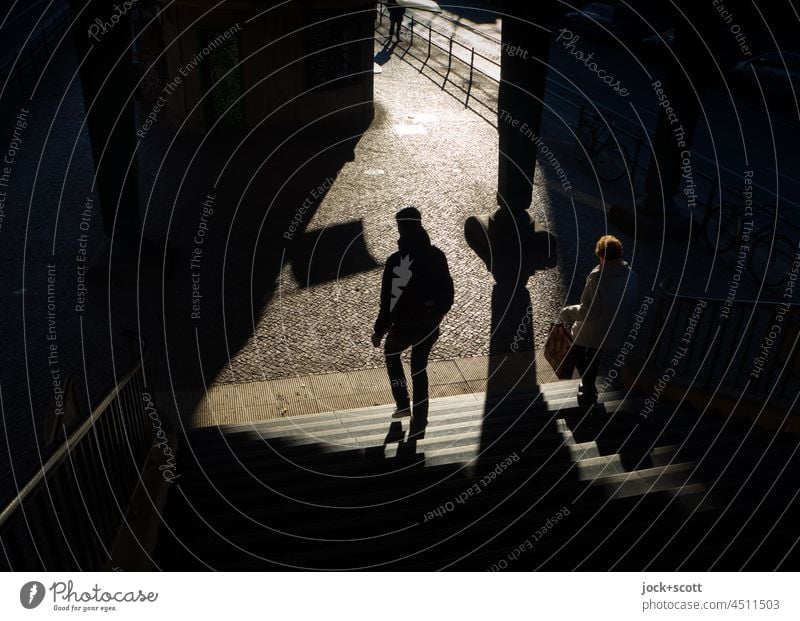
{"x": 401, "y": 411}
{"x": 416, "y": 431}
{"x": 586, "y": 398}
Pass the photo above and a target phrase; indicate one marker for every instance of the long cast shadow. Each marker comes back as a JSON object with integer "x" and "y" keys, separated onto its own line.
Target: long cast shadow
{"x": 238, "y": 218}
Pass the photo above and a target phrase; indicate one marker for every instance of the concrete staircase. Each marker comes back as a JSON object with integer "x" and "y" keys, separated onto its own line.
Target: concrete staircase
{"x": 528, "y": 481}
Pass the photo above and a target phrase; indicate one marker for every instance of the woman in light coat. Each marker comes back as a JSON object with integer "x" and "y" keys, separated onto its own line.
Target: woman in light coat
{"x": 604, "y": 315}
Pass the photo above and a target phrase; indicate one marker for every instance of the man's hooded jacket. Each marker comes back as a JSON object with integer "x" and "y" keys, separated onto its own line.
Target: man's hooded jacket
{"x": 416, "y": 287}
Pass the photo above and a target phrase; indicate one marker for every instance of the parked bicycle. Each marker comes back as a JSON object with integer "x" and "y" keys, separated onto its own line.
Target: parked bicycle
{"x": 596, "y": 141}
{"x": 770, "y": 253}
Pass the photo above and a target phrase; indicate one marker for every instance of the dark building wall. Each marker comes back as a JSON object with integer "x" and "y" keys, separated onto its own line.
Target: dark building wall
{"x": 295, "y": 63}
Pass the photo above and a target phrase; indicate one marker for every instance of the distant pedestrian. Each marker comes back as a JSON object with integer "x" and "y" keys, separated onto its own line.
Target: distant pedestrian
{"x": 416, "y": 293}
{"x": 602, "y": 319}
{"x": 396, "y": 14}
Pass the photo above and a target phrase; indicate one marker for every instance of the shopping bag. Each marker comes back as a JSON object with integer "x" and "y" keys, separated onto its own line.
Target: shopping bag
{"x": 558, "y": 351}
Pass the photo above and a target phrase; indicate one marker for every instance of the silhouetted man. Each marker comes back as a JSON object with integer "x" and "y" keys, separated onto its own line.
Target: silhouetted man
{"x": 416, "y": 293}
{"x": 396, "y": 14}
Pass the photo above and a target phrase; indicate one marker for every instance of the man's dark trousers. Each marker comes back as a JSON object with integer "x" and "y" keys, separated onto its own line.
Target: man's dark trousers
{"x": 420, "y": 337}
{"x": 587, "y": 361}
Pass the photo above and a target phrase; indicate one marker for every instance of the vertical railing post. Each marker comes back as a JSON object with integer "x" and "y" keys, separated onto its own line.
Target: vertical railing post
{"x": 412, "y": 31}
{"x": 430, "y": 37}
{"x": 449, "y": 62}
{"x": 471, "y": 67}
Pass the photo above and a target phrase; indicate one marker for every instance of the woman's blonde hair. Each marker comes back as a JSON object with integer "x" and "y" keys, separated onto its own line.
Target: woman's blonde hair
{"x": 609, "y": 248}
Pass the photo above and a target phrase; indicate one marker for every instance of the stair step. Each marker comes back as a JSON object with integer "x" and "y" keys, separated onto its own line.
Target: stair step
{"x": 316, "y": 425}
{"x": 388, "y": 432}
{"x": 321, "y": 518}
{"x": 347, "y": 489}
{"x": 665, "y": 456}
{"x": 342, "y": 466}
{"x": 620, "y": 522}
{"x": 400, "y": 518}
{"x": 459, "y": 449}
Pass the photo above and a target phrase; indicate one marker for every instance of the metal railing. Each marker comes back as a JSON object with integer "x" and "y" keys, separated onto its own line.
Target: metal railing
{"x": 746, "y": 346}
{"x": 447, "y": 43}
{"x": 637, "y": 144}
{"x": 69, "y": 514}
{"x": 714, "y": 191}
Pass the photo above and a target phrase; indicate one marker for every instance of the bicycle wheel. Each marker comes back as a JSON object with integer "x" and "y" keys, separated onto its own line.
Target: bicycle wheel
{"x": 722, "y": 227}
{"x": 771, "y": 259}
{"x": 584, "y": 143}
{"x": 611, "y": 161}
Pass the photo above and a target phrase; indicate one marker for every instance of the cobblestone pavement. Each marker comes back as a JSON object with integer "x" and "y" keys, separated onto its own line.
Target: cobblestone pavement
{"x": 273, "y": 308}
{"x": 423, "y": 149}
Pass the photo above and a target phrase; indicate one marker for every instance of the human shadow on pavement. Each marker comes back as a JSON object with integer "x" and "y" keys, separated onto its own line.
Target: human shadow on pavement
{"x": 238, "y": 217}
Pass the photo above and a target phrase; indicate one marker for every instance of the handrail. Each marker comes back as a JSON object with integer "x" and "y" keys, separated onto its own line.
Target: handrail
{"x": 450, "y": 56}
{"x": 70, "y": 513}
{"x": 465, "y": 26}
{"x": 716, "y": 183}
{"x": 75, "y": 437}
{"x": 765, "y": 364}
{"x": 662, "y": 288}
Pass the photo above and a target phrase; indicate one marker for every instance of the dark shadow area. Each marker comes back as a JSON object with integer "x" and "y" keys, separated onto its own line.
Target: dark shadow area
{"x": 273, "y": 497}
{"x": 512, "y": 361}
{"x": 395, "y": 433}
{"x": 334, "y": 252}
{"x": 252, "y": 224}
{"x": 473, "y": 10}
{"x": 385, "y": 55}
